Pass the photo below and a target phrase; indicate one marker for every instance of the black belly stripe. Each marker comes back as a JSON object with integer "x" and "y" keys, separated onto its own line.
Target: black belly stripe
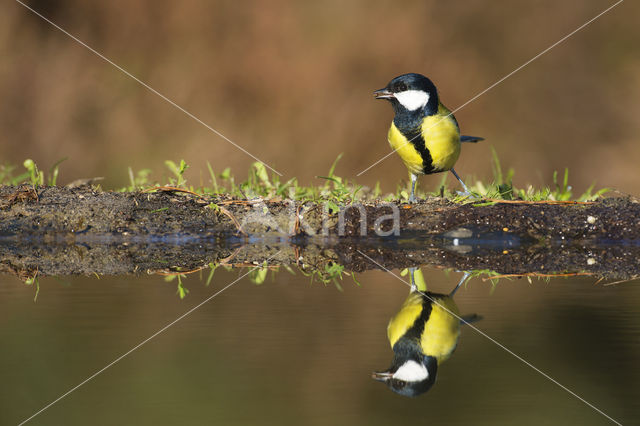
{"x": 415, "y": 331}
{"x": 410, "y": 125}
{"x": 409, "y": 345}
{"x": 416, "y": 139}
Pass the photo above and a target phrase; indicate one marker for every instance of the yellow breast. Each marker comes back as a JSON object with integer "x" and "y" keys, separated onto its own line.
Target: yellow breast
{"x": 442, "y": 139}
{"x": 409, "y": 155}
{"x": 442, "y": 330}
{"x": 405, "y": 318}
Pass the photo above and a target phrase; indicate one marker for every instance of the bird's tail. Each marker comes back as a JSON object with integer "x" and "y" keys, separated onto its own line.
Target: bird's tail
{"x": 473, "y": 139}
{"x": 468, "y": 319}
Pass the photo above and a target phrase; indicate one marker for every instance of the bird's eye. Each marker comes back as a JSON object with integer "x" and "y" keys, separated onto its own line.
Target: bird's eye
{"x": 401, "y": 87}
{"x": 399, "y": 383}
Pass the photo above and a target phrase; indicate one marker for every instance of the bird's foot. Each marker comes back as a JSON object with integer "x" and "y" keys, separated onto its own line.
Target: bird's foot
{"x": 413, "y": 199}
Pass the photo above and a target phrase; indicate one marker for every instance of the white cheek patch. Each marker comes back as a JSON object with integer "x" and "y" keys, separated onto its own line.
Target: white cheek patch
{"x": 411, "y": 371}
{"x": 412, "y": 99}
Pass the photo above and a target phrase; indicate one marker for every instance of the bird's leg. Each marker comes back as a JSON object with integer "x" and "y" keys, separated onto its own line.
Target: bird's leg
{"x": 466, "y": 190}
{"x": 412, "y": 279}
{"x": 462, "y": 280}
{"x": 412, "y": 197}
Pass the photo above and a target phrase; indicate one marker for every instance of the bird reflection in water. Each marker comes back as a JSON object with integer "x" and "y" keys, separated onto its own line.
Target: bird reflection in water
{"x": 423, "y": 334}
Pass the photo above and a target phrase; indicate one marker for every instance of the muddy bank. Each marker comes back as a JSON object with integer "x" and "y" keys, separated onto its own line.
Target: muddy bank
{"x": 103, "y": 257}
{"x": 60, "y": 231}
{"x": 56, "y": 213}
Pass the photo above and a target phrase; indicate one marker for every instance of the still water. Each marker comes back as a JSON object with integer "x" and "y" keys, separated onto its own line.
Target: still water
{"x": 289, "y": 351}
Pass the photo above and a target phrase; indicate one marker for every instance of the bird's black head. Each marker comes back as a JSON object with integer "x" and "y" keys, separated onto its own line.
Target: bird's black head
{"x": 412, "y": 377}
{"x": 410, "y": 93}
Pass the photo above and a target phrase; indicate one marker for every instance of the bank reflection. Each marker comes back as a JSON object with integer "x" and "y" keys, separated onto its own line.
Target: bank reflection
{"x": 423, "y": 334}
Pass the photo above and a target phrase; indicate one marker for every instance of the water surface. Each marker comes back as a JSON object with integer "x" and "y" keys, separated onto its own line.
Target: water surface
{"x": 293, "y": 352}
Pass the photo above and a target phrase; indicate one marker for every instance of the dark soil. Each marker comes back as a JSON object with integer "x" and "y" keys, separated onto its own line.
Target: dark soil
{"x": 57, "y": 231}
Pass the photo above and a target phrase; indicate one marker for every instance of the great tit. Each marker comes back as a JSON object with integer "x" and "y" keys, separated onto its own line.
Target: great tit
{"x": 423, "y": 131}
{"x": 423, "y": 334}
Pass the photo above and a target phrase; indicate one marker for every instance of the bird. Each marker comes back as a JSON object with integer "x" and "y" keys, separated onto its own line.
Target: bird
{"x": 423, "y": 334}
{"x": 424, "y": 132}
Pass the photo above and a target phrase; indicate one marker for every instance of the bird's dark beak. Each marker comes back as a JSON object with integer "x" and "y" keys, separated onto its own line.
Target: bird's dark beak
{"x": 381, "y": 376}
{"x": 383, "y": 94}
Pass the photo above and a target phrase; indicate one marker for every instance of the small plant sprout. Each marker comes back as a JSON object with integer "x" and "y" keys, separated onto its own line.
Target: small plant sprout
{"x": 178, "y": 172}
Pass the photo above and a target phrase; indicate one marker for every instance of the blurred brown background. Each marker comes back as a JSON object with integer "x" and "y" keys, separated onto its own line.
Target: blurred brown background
{"x": 291, "y": 82}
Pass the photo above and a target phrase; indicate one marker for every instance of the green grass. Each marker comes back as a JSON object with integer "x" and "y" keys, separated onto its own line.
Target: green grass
{"x": 336, "y": 190}
{"x": 332, "y": 189}
{"x": 334, "y": 273}
{"x": 331, "y": 273}
{"x": 502, "y": 187}
{"x": 32, "y": 175}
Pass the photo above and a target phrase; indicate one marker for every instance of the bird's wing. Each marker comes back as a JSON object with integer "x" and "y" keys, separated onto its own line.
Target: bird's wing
{"x": 474, "y": 139}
